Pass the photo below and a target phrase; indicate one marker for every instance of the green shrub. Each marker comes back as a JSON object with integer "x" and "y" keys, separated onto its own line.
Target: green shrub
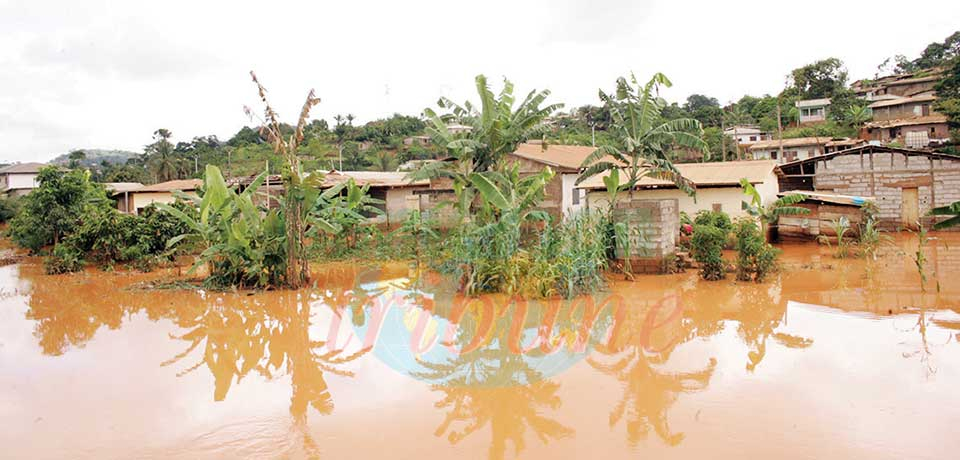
{"x": 718, "y": 219}
{"x": 707, "y": 245}
{"x": 64, "y": 259}
{"x": 8, "y": 209}
{"x": 52, "y": 211}
{"x": 755, "y": 257}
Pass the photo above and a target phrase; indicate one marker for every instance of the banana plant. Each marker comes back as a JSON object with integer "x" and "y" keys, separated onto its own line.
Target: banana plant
{"x": 643, "y": 138}
{"x": 952, "y": 210}
{"x": 506, "y": 194}
{"x": 771, "y": 214}
{"x": 488, "y": 133}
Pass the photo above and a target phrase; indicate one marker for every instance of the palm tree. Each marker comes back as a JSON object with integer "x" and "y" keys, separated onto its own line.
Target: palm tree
{"x": 160, "y": 156}
{"x": 493, "y": 130}
{"x": 382, "y": 160}
{"x": 643, "y": 138}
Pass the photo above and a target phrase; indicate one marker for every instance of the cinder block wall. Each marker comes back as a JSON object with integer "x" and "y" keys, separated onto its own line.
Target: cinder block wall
{"x": 884, "y": 175}
{"x": 654, "y": 226}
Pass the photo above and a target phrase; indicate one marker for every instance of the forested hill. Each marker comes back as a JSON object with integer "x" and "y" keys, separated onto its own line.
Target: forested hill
{"x": 94, "y": 157}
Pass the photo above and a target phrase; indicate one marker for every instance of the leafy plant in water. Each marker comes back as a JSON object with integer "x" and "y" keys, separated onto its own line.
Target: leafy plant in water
{"x": 784, "y": 206}
{"x": 840, "y": 228}
{"x": 755, "y": 257}
{"x": 242, "y": 246}
{"x": 708, "y": 244}
{"x": 64, "y": 259}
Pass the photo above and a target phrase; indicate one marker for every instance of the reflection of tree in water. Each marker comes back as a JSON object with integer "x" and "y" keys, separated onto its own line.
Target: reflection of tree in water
{"x": 231, "y": 335}
{"x": 759, "y": 317}
{"x": 493, "y": 385}
{"x": 650, "y": 335}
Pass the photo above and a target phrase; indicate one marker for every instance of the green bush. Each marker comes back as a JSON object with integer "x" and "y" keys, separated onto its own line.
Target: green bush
{"x": 707, "y": 245}
{"x": 64, "y": 259}
{"x": 718, "y": 219}
{"x": 52, "y": 211}
{"x": 755, "y": 257}
{"x": 8, "y": 209}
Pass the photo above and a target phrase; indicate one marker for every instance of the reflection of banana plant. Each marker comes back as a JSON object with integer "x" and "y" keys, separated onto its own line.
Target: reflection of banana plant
{"x": 493, "y": 385}
{"x": 648, "y": 392}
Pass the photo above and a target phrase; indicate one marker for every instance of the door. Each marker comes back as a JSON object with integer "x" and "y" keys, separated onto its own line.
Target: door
{"x": 909, "y": 208}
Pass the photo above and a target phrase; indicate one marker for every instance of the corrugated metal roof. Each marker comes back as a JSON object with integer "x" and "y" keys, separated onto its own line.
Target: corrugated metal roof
{"x": 930, "y": 119}
{"x": 22, "y": 168}
{"x": 372, "y": 178}
{"x": 902, "y": 101}
{"x": 813, "y": 102}
{"x": 567, "y": 157}
{"x": 793, "y": 142}
{"x": 703, "y": 174}
{"x": 834, "y": 198}
{"x": 120, "y": 187}
{"x": 169, "y": 186}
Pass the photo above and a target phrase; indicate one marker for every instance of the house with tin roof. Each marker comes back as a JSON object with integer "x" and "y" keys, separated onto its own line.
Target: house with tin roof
{"x": 717, "y": 187}
{"x": 19, "y": 179}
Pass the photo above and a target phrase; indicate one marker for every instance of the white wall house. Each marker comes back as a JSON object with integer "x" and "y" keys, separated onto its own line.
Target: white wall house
{"x": 746, "y": 135}
{"x": 799, "y": 148}
{"x": 19, "y": 179}
{"x": 813, "y": 110}
{"x": 717, "y": 184}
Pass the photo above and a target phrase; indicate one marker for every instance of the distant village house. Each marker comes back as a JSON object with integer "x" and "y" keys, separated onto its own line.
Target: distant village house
{"x": 19, "y": 179}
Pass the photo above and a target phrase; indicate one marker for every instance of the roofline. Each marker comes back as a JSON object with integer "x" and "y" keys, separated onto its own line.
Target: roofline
{"x": 673, "y": 186}
{"x": 546, "y": 162}
{"x": 860, "y": 149}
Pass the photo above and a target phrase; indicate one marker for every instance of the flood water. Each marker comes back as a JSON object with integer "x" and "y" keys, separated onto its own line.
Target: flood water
{"x": 830, "y": 359}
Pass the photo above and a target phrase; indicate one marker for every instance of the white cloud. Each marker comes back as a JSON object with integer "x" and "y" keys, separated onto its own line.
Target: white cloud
{"x": 104, "y": 74}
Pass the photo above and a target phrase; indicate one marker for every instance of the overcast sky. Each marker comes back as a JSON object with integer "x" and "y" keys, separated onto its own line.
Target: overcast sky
{"x": 106, "y": 74}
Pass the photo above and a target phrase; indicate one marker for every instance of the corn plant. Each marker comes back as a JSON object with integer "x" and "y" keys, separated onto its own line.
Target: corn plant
{"x": 840, "y": 228}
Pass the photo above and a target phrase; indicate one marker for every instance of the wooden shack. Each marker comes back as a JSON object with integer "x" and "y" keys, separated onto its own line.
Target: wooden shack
{"x": 825, "y": 210}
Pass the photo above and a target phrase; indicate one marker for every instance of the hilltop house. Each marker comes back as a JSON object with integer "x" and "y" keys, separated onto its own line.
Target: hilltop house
{"x": 746, "y": 135}
{"x": 906, "y": 184}
{"x": 19, "y": 179}
{"x": 718, "y": 187}
{"x": 812, "y": 110}
{"x": 902, "y": 85}
{"x": 910, "y": 121}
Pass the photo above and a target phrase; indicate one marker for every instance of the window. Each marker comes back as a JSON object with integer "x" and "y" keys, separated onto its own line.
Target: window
{"x": 933, "y": 130}
{"x": 753, "y": 138}
{"x": 717, "y": 207}
{"x": 576, "y": 196}
{"x": 773, "y": 155}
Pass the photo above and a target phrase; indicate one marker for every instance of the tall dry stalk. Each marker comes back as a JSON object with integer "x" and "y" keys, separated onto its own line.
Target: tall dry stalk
{"x": 298, "y": 270}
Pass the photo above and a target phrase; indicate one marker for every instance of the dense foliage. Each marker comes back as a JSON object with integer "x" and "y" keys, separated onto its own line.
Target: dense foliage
{"x": 755, "y": 257}
{"x": 56, "y": 207}
{"x": 707, "y": 243}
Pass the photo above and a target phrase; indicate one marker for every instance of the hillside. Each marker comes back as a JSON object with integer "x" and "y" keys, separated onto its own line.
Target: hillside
{"x": 96, "y": 156}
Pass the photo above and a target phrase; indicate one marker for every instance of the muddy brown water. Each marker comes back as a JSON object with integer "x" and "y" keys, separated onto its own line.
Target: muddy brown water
{"x": 830, "y": 359}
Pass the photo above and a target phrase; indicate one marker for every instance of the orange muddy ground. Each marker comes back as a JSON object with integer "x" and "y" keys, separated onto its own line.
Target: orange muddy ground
{"x": 830, "y": 359}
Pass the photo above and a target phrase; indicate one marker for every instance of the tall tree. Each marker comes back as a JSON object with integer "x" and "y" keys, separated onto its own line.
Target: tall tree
{"x": 821, "y": 79}
{"x": 160, "y": 157}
